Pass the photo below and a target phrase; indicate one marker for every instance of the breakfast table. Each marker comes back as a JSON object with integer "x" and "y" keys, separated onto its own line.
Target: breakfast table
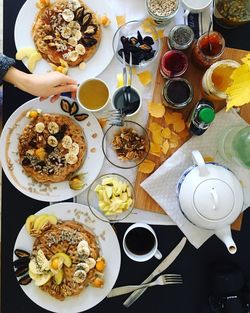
{"x": 195, "y": 265}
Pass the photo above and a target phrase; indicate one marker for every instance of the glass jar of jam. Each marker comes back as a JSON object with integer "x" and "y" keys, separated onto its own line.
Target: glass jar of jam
{"x": 180, "y": 37}
{"x": 177, "y": 93}
{"x": 208, "y": 49}
{"x": 174, "y": 63}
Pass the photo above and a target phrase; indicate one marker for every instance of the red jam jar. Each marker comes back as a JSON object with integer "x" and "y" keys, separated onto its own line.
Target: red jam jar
{"x": 209, "y": 48}
{"x": 174, "y": 63}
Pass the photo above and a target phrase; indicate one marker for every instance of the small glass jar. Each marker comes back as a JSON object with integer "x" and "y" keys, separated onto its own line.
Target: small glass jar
{"x": 180, "y": 37}
{"x": 162, "y": 11}
{"x": 208, "y": 49}
{"x": 177, "y": 93}
{"x": 173, "y": 63}
{"x": 217, "y": 79}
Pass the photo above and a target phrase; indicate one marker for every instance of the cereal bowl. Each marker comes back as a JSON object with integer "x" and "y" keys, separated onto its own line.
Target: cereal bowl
{"x": 129, "y": 145}
{"x": 111, "y": 197}
{"x": 141, "y": 39}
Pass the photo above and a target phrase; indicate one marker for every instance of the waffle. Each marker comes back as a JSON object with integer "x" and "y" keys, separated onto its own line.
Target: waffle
{"x": 53, "y": 241}
{"x": 58, "y": 39}
{"x": 45, "y": 161}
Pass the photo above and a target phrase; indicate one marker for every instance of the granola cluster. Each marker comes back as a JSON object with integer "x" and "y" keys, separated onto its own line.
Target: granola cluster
{"x": 129, "y": 145}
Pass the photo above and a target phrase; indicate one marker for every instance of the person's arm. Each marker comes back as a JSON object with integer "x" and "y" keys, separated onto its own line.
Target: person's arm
{"x": 44, "y": 85}
{"x": 5, "y": 64}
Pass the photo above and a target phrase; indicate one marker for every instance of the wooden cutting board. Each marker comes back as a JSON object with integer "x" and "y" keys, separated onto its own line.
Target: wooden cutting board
{"x": 194, "y": 75}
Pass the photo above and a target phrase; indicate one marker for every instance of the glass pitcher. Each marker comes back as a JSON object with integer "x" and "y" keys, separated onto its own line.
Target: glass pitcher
{"x": 235, "y": 145}
{"x": 231, "y": 13}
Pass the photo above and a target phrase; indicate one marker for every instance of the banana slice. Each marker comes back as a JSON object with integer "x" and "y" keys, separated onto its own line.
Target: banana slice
{"x": 71, "y": 158}
{"x": 80, "y": 49}
{"x": 39, "y": 128}
{"x": 66, "y": 142}
{"x": 91, "y": 262}
{"x": 74, "y": 25}
{"x": 73, "y": 56}
{"x": 83, "y": 266}
{"x": 72, "y": 41}
{"x": 74, "y": 4}
{"x": 53, "y": 127}
{"x": 74, "y": 148}
{"x": 52, "y": 141}
{"x": 79, "y": 276}
{"x": 66, "y": 32}
{"x": 68, "y": 15}
{"x": 76, "y": 34}
{"x": 83, "y": 249}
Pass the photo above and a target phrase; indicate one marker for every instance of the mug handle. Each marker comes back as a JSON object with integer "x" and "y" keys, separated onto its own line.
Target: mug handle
{"x": 199, "y": 161}
{"x": 186, "y": 12}
{"x": 158, "y": 254}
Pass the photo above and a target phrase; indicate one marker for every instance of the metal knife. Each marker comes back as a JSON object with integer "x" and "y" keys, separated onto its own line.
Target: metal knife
{"x": 160, "y": 268}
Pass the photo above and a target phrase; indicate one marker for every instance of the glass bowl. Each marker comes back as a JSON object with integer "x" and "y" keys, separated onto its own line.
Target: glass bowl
{"x": 118, "y": 157}
{"x": 95, "y": 201}
{"x": 129, "y": 30}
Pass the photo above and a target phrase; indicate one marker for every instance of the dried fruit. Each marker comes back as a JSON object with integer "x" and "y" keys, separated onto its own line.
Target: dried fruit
{"x": 86, "y": 19}
{"x": 25, "y": 280}
{"x": 65, "y": 106}
{"x": 179, "y": 126}
{"x": 146, "y": 167}
{"x": 88, "y": 41}
{"x": 121, "y": 20}
{"x": 21, "y": 270}
{"x": 81, "y": 117}
{"x": 21, "y": 253}
{"x": 102, "y": 122}
{"x": 145, "y": 77}
{"x": 165, "y": 147}
{"x": 155, "y": 149}
{"x": 166, "y": 133}
{"x": 74, "y": 108}
{"x": 156, "y": 109}
{"x": 90, "y": 30}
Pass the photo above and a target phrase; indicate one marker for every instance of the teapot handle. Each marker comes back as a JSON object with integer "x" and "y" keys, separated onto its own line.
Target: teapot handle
{"x": 199, "y": 161}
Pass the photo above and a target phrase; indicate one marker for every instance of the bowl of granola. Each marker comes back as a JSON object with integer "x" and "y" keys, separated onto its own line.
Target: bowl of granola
{"x": 128, "y": 146}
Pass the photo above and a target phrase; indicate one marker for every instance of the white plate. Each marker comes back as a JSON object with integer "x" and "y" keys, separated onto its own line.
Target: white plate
{"x": 99, "y": 61}
{"x": 110, "y": 249}
{"x": 54, "y": 191}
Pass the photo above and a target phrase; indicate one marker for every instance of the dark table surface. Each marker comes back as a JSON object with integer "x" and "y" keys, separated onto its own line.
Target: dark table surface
{"x": 195, "y": 265}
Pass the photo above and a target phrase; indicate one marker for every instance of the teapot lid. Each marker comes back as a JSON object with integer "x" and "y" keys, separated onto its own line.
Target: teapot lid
{"x": 213, "y": 199}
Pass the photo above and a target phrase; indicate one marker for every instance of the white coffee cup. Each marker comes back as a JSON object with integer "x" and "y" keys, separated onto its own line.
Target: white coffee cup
{"x": 152, "y": 249}
{"x": 196, "y": 6}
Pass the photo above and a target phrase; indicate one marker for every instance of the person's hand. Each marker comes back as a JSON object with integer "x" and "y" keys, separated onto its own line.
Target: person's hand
{"x": 45, "y": 85}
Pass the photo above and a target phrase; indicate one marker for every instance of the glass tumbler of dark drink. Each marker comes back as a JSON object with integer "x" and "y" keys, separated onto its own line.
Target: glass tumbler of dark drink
{"x": 208, "y": 49}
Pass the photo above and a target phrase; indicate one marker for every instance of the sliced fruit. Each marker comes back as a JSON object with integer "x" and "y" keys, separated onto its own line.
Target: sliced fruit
{"x": 58, "y": 277}
{"x": 30, "y": 222}
{"x": 43, "y": 279}
{"x": 33, "y": 59}
{"x": 38, "y": 220}
{"x": 66, "y": 259}
{"x": 25, "y": 53}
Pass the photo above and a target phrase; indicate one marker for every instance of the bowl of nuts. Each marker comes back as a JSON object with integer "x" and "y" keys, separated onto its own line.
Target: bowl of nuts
{"x": 111, "y": 197}
{"x": 138, "y": 38}
{"x": 128, "y": 145}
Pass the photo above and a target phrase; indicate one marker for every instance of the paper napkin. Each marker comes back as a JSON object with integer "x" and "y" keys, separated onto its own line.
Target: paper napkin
{"x": 161, "y": 185}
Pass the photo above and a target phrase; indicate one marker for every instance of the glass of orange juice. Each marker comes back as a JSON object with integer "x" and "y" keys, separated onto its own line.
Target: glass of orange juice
{"x": 93, "y": 94}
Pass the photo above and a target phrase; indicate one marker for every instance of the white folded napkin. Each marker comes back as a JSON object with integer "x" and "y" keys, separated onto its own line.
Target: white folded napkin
{"x": 161, "y": 185}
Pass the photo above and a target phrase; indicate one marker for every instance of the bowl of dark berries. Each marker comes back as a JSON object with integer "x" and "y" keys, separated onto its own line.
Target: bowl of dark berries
{"x": 139, "y": 39}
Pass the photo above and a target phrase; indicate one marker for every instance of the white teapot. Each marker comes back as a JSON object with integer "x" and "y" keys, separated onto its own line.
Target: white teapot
{"x": 211, "y": 197}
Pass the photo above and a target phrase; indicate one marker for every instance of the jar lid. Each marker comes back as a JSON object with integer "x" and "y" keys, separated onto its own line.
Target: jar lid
{"x": 214, "y": 199}
{"x": 206, "y": 115}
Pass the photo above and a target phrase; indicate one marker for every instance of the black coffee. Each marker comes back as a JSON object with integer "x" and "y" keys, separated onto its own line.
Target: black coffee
{"x": 140, "y": 241}
{"x": 129, "y": 107}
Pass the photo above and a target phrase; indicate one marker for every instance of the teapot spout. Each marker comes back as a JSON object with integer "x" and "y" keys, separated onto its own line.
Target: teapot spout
{"x": 225, "y": 235}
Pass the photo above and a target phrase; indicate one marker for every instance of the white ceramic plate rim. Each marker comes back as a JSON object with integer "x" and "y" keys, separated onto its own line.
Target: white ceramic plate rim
{"x": 110, "y": 249}
{"x": 94, "y": 66}
{"x": 57, "y": 191}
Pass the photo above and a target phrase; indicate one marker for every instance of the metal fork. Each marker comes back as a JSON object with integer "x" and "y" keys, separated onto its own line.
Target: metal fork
{"x": 114, "y": 117}
{"x": 166, "y": 279}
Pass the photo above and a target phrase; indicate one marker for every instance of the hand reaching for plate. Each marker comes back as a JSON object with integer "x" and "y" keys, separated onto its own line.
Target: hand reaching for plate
{"x": 44, "y": 85}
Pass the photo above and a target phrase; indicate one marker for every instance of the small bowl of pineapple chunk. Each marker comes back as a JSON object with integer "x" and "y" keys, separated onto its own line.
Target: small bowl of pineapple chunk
{"x": 111, "y": 197}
